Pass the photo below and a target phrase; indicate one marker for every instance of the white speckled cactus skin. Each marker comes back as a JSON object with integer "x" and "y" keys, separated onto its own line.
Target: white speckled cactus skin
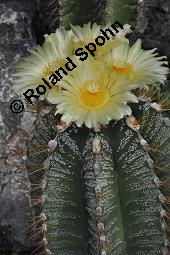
{"x": 107, "y": 192}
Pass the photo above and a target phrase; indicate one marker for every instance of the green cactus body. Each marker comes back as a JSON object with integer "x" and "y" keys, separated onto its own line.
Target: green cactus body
{"x": 37, "y": 151}
{"x": 120, "y": 10}
{"x": 139, "y": 195}
{"x": 64, "y": 207}
{"x": 155, "y": 129}
{"x": 100, "y": 195}
{"x": 101, "y": 192}
{"x": 80, "y": 12}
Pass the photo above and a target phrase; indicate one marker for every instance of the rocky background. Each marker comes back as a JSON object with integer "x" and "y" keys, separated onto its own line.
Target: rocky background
{"x": 21, "y": 27}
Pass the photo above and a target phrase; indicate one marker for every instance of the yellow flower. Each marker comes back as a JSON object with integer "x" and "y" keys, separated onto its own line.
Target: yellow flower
{"x": 43, "y": 61}
{"x": 96, "y": 89}
{"x": 140, "y": 66}
{"x": 91, "y": 95}
{"x": 91, "y": 35}
{"x": 86, "y": 34}
{"x": 121, "y": 35}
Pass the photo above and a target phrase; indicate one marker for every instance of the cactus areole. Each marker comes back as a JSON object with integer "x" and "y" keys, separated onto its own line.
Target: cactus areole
{"x": 99, "y": 160}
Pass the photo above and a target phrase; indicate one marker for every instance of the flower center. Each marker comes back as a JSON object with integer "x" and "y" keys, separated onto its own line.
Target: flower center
{"x": 52, "y": 66}
{"x": 93, "y": 96}
{"x": 121, "y": 67}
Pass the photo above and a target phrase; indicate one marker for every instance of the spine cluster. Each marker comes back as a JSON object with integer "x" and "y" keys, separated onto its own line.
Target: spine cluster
{"x": 99, "y": 210}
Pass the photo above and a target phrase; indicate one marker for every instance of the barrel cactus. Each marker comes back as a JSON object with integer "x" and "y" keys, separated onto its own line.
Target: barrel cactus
{"x": 99, "y": 156}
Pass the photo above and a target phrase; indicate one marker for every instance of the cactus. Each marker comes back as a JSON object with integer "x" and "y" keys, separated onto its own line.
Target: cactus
{"x": 107, "y": 192}
{"x": 98, "y": 189}
{"x": 64, "y": 13}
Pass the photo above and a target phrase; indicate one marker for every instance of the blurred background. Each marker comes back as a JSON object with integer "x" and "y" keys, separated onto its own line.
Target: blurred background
{"x": 22, "y": 25}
